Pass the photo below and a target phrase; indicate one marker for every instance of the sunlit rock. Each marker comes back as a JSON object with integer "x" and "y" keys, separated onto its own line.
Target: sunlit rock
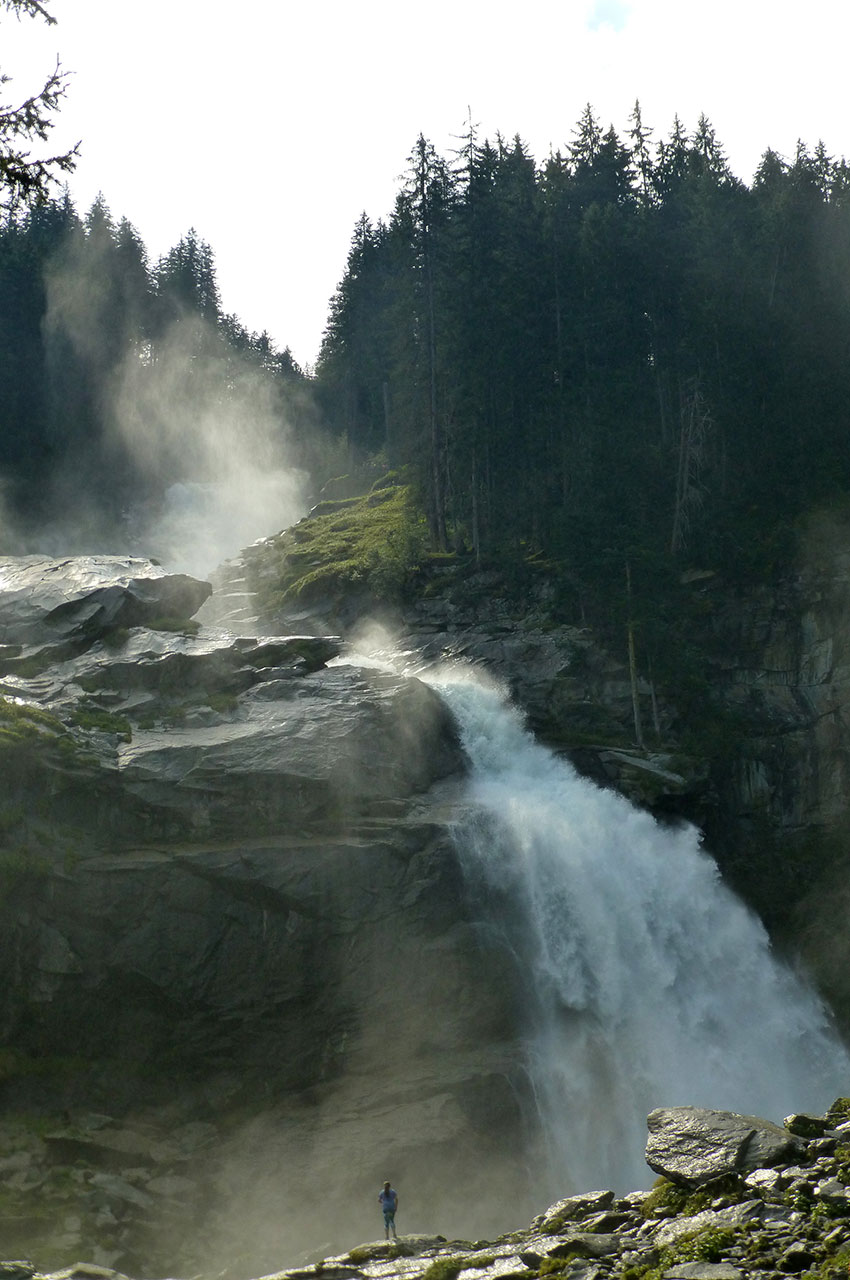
{"x": 84, "y": 597}
{"x": 693, "y": 1145}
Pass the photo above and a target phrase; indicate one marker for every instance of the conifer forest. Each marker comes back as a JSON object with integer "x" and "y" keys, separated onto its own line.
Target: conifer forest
{"x": 623, "y": 356}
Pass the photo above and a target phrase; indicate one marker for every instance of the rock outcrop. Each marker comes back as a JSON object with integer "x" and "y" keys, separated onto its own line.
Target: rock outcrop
{"x": 231, "y": 898}
{"x": 239, "y": 957}
{"x": 788, "y": 1218}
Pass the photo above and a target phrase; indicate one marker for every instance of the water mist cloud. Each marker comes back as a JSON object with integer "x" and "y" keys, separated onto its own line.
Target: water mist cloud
{"x": 218, "y": 427}
{"x": 174, "y": 445}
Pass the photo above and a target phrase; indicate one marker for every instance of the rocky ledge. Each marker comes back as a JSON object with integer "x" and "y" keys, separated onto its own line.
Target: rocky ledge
{"x": 738, "y": 1197}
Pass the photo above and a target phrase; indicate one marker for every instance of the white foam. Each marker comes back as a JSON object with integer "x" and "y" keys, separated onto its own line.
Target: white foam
{"x": 649, "y": 983}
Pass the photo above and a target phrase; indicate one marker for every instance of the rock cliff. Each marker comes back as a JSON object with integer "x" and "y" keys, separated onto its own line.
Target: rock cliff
{"x": 240, "y": 957}
{"x": 230, "y": 898}
{"x": 764, "y": 775}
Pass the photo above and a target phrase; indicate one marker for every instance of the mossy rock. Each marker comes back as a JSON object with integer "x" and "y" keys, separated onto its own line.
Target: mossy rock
{"x": 805, "y": 1126}
{"x": 445, "y": 1268}
{"x": 703, "y": 1246}
{"x": 373, "y": 544}
{"x": 686, "y": 1202}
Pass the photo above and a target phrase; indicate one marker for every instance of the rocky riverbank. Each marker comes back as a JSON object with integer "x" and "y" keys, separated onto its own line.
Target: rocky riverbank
{"x": 738, "y": 1197}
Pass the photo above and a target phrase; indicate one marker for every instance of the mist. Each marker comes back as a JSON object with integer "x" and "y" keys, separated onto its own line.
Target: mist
{"x": 220, "y": 428}
{"x": 167, "y": 440}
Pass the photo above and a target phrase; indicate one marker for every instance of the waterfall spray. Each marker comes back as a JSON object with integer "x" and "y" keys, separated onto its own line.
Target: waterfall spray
{"x": 649, "y": 983}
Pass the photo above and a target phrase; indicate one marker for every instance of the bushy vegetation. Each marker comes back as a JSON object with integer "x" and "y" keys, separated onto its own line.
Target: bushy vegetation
{"x": 686, "y": 1201}
{"x": 96, "y": 718}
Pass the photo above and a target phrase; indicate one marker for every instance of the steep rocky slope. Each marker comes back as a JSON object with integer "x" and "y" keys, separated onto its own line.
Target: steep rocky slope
{"x": 230, "y": 899}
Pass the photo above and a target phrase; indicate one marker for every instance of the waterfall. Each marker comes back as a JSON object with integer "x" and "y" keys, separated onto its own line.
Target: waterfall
{"x": 648, "y": 982}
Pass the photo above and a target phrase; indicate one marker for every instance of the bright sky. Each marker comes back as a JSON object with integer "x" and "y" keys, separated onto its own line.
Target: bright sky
{"x": 270, "y": 125}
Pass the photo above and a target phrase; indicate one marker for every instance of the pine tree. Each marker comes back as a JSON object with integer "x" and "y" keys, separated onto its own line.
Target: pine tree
{"x": 26, "y": 178}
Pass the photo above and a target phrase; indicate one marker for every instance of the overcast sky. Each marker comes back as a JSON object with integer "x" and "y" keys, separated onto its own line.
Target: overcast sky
{"x": 270, "y": 125}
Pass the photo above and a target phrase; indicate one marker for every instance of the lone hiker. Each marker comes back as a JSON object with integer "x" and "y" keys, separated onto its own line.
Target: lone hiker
{"x": 389, "y": 1204}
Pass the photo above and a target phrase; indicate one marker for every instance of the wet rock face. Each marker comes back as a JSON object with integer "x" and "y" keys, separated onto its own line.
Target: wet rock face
{"x": 206, "y": 836}
{"x": 83, "y": 597}
{"x": 231, "y": 897}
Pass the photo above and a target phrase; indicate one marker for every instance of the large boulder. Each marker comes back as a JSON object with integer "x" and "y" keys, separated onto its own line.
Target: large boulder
{"x": 81, "y": 598}
{"x": 693, "y": 1145}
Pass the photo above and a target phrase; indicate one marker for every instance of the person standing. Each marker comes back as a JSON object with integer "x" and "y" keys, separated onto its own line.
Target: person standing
{"x": 389, "y": 1203}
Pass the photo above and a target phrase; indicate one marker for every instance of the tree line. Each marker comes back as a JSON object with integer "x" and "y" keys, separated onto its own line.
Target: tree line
{"x": 83, "y": 313}
{"x": 622, "y": 354}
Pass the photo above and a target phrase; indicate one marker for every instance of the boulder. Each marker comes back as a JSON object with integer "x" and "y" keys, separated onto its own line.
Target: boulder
{"x": 693, "y": 1145}
{"x": 834, "y": 1193}
{"x": 799, "y": 1257}
{"x": 573, "y": 1207}
{"x": 82, "y": 598}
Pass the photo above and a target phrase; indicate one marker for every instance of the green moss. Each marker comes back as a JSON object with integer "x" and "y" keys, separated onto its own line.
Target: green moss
{"x": 116, "y": 639}
{"x": 444, "y": 1268}
{"x": 30, "y": 667}
{"x": 685, "y": 1202}
{"x": 104, "y": 721}
{"x": 222, "y": 702}
{"x": 25, "y": 720}
{"x": 371, "y": 1253}
{"x": 375, "y": 543}
{"x": 834, "y": 1265}
{"x": 552, "y": 1266}
{"x": 361, "y": 1253}
{"x": 702, "y": 1246}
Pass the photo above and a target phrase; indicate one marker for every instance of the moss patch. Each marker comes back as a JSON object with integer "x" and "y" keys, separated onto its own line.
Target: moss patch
{"x": 103, "y": 721}
{"x": 685, "y": 1201}
{"x": 703, "y": 1246}
{"x": 444, "y": 1268}
{"x": 20, "y": 722}
{"x": 374, "y": 543}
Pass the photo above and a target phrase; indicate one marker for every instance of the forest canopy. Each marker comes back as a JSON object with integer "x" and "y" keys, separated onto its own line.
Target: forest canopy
{"x": 624, "y": 351}
{"x": 623, "y": 354}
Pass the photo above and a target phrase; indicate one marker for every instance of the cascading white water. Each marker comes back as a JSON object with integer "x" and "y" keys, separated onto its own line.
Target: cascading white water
{"x": 649, "y": 983}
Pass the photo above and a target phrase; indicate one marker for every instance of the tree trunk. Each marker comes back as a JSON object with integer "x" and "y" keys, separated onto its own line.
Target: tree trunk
{"x": 630, "y": 631}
